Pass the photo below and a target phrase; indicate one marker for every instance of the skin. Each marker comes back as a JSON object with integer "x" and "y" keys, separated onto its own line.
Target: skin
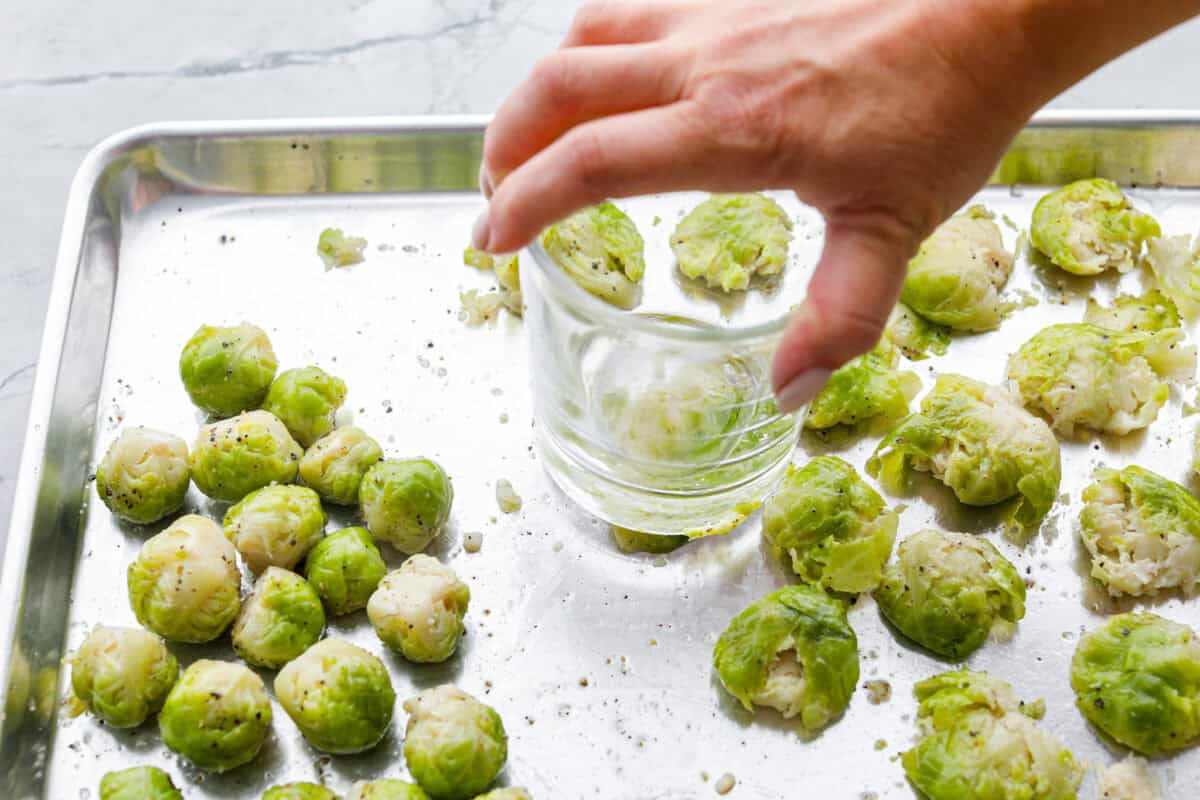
{"x": 884, "y": 116}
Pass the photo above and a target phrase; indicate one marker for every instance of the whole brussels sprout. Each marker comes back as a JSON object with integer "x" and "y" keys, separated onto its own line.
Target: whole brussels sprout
{"x": 507, "y": 793}
{"x": 299, "y": 791}
{"x": 335, "y": 464}
{"x": 217, "y": 716}
{"x": 144, "y": 475}
{"x": 1105, "y": 380}
{"x": 406, "y": 502}
{"x": 306, "y": 400}
{"x": 981, "y": 443}
{"x": 833, "y": 526}
{"x": 602, "y": 251}
{"x": 418, "y": 610}
{"x": 138, "y": 783}
{"x": 1137, "y": 679}
{"x": 730, "y": 238}
{"x": 793, "y": 651}
{"x": 915, "y": 336}
{"x": 275, "y": 526}
{"x": 386, "y": 789}
{"x": 233, "y": 457}
{"x": 280, "y": 619}
{"x": 1151, "y": 312}
{"x": 455, "y": 745}
{"x": 227, "y": 370}
{"x": 1089, "y": 226}
{"x": 980, "y": 742}
{"x": 868, "y": 387}
{"x": 122, "y": 675}
{"x": 184, "y": 584}
{"x": 946, "y": 591}
{"x": 956, "y": 276}
{"x": 339, "y": 695}
{"x": 1175, "y": 262}
{"x": 345, "y": 568}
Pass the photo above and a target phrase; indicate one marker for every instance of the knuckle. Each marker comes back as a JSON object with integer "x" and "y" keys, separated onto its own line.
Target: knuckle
{"x": 553, "y": 77}
{"x": 590, "y": 157}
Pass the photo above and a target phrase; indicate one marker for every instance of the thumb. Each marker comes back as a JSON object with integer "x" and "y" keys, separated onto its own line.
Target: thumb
{"x": 850, "y": 296}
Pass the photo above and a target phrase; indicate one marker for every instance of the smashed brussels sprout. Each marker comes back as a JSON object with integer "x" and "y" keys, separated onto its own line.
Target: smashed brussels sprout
{"x": 508, "y": 275}
{"x": 980, "y": 742}
{"x": 834, "y": 528}
{"x": 233, "y": 457}
{"x": 345, "y": 568}
{"x": 138, "y": 783}
{"x": 1089, "y": 226}
{"x": 418, "y": 610}
{"x": 507, "y": 793}
{"x": 793, "y": 651}
{"x": 185, "y": 585}
{"x": 299, "y": 791}
{"x": 337, "y": 249}
{"x": 275, "y": 526}
{"x": 455, "y": 745}
{"x": 406, "y": 502}
{"x": 730, "y": 238}
{"x": 306, "y": 401}
{"x": 144, "y": 475}
{"x": 869, "y": 387}
{"x": 280, "y": 619}
{"x": 1175, "y": 262}
{"x": 915, "y": 336}
{"x": 339, "y": 695}
{"x": 122, "y": 675}
{"x": 227, "y": 370}
{"x": 386, "y": 789}
{"x": 1111, "y": 381}
{"x": 602, "y": 251}
{"x": 217, "y": 716}
{"x": 946, "y": 591}
{"x": 1152, "y": 312}
{"x": 1130, "y": 779}
{"x": 335, "y": 464}
{"x": 980, "y": 442}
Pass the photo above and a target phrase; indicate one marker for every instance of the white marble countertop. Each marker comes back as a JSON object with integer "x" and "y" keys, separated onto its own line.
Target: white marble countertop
{"x": 75, "y": 71}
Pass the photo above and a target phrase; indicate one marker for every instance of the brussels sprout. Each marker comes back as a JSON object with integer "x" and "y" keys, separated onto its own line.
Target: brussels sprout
{"x": 868, "y": 387}
{"x": 345, "y": 568}
{"x": 280, "y": 619}
{"x": 337, "y": 249}
{"x": 507, "y": 793}
{"x": 956, "y": 277}
{"x": 508, "y": 275}
{"x": 339, "y": 695}
{"x": 335, "y": 464}
{"x": 184, "y": 584}
{"x": 833, "y": 526}
{"x": 233, "y": 457}
{"x": 144, "y": 475}
{"x": 602, "y": 251}
{"x": 138, "y": 783}
{"x": 418, "y": 610}
{"x": 455, "y": 745}
{"x": 730, "y": 238}
{"x": 275, "y": 526}
{"x": 1137, "y": 679}
{"x": 306, "y": 400}
{"x": 1175, "y": 262}
{"x": 217, "y": 716}
{"x": 915, "y": 336}
{"x": 980, "y": 742}
{"x": 1130, "y": 779}
{"x": 299, "y": 791}
{"x": 386, "y": 789}
{"x": 227, "y": 370}
{"x": 946, "y": 591}
{"x": 1152, "y": 312}
{"x": 1089, "y": 226}
{"x": 406, "y": 502}
{"x": 122, "y": 675}
{"x": 793, "y": 651}
{"x": 978, "y": 441}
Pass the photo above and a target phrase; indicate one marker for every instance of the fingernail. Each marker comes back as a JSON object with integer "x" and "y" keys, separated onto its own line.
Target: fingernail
{"x": 485, "y": 182}
{"x": 481, "y": 233}
{"x": 802, "y": 388}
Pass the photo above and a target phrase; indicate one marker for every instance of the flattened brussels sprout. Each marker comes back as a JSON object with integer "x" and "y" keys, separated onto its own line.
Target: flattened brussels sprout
{"x": 507, "y": 793}
{"x": 299, "y": 791}
{"x": 793, "y": 651}
{"x": 956, "y": 276}
{"x": 406, "y": 502}
{"x": 1089, "y": 226}
{"x": 335, "y": 464}
{"x": 184, "y": 584}
{"x": 1152, "y": 312}
{"x": 306, "y": 401}
{"x": 386, "y": 789}
{"x": 280, "y": 619}
{"x": 1175, "y": 262}
{"x": 138, "y": 783}
{"x": 602, "y": 251}
{"x": 144, "y": 475}
{"x": 227, "y": 370}
{"x": 455, "y": 745}
{"x": 835, "y": 528}
{"x": 233, "y": 457}
{"x": 508, "y": 275}
{"x": 868, "y": 387}
{"x": 337, "y": 249}
{"x": 275, "y": 526}
{"x": 946, "y": 591}
{"x": 915, "y": 336}
{"x": 981, "y": 443}
{"x": 122, "y": 675}
{"x": 217, "y": 716}
{"x": 730, "y": 238}
{"x": 339, "y": 695}
{"x": 345, "y": 568}
{"x": 1110, "y": 381}
{"x": 418, "y": 610}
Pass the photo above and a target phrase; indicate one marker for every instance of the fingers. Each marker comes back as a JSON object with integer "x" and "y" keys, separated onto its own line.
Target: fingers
{"x": 622, "y": 22}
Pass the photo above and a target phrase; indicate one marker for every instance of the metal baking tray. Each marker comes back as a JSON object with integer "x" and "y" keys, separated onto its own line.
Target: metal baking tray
{"x": 598, "y": 661}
